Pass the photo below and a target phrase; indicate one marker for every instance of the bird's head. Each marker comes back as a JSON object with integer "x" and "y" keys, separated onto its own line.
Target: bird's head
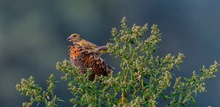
{"x": 74, "y": 38}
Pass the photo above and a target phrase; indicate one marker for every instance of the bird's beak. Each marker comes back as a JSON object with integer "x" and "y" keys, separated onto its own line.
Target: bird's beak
{"x": 68, "y": 39}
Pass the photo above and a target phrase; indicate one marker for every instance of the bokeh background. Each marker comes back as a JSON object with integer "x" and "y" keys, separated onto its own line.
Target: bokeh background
{"x": 33, "y": 37}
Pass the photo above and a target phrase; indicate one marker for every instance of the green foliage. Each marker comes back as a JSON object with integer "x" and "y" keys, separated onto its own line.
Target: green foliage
{"x": 28, "y": 88}
{"x": 143, "y": 80}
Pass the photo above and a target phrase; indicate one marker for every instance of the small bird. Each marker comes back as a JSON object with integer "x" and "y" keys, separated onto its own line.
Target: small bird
{"x": 77, "y": 39}
{"x": 84, "y": 59}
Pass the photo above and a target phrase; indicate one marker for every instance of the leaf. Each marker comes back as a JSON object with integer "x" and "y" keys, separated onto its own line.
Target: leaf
{"x": 193, "y": 100}
{"x": 178, "y": 67}
{"x": 61, "y": 100}
{"x": 105, "y": 88}
{"x": 196, "y": 91}
{"x": 165, "y": 97}
{"x": 174, "y": 95}
{"x": 186, "y": 79}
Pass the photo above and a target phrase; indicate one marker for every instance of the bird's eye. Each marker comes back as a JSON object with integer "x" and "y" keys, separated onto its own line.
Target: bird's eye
{"x": 74, "y": 35}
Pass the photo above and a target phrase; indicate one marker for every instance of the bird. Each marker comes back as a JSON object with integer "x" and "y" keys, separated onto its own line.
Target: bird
{"x": 87, "y": 59}
{"x": 77, "y": 39}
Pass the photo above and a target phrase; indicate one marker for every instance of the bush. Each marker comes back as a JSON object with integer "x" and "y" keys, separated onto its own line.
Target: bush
{"x": 143, "y": 80}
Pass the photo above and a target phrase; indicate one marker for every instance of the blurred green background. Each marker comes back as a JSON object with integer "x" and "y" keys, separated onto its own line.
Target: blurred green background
{"x": 33, "y": 37}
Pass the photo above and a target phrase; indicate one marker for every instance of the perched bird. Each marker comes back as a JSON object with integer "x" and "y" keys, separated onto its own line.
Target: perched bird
{"x": 84, "y": 59}
{"x": 77, "y": 39}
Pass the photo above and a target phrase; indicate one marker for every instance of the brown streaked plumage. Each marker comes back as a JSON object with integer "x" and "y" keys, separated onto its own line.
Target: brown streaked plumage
{"x": 84, "y": 59}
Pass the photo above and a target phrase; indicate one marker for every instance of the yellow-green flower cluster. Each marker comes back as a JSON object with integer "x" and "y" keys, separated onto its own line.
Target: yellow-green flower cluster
{"x": 28, "y": 88}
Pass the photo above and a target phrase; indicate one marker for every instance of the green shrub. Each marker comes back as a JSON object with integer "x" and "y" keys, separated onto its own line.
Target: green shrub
{"x": 143, "y": 80}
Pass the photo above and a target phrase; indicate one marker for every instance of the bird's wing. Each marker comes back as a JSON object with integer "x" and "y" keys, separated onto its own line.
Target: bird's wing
{"x": 97, "y": 64}
{"x": 88, "y": 44}
{"x": 83, "y": 58}
{"x": 101, "y": 49}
